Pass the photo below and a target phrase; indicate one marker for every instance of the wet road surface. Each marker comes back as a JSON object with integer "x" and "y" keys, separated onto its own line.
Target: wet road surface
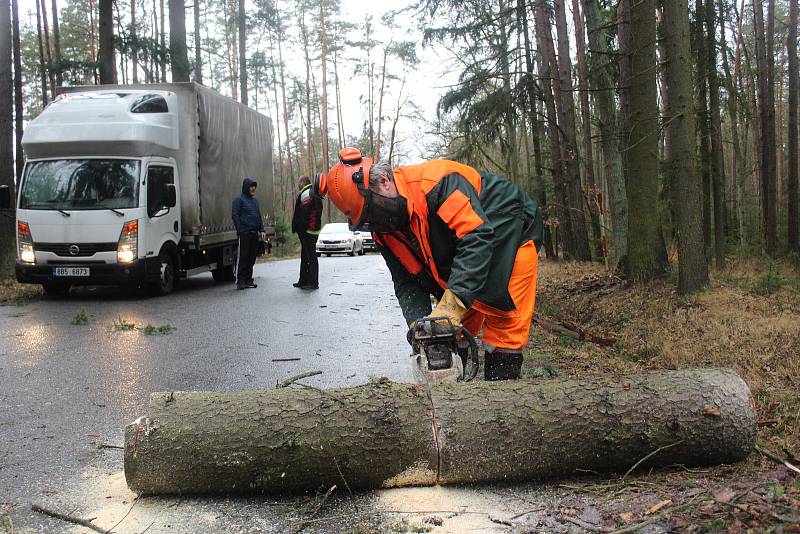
{"x": 67, "y": 388}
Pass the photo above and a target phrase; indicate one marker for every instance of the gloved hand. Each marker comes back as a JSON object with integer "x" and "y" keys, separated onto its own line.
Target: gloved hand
{"x": 450, "y": 307}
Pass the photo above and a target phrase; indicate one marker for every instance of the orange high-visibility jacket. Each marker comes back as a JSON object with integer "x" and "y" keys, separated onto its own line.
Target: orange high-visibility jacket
{"x": 464, "y": 230}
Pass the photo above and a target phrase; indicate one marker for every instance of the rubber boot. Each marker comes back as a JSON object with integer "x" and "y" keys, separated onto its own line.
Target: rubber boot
{"x": 500, "y": 365}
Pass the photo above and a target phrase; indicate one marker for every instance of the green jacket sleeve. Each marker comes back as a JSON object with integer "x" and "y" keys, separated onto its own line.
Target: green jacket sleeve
{"x": 456, "y": 203}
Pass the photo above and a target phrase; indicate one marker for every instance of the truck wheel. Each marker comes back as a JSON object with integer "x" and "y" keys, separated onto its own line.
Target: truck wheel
{"x": 166, "y": 278}
{"x": 54, "y": 289}
{"x": 224, "y": 274}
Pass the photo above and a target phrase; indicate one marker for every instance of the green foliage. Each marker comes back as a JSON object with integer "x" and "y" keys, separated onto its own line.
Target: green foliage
{"x": 80, "y": 318}
{"x": 771, "y": 280}
{"x": 163, "y": 330}
{"x": 121, "y": 325}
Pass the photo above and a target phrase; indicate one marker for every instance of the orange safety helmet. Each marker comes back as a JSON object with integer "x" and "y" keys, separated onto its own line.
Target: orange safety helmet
{"x": 347, "y": 183}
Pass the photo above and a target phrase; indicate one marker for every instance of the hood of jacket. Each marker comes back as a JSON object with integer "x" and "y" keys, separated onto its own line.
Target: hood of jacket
{"x": 246, "y": 183}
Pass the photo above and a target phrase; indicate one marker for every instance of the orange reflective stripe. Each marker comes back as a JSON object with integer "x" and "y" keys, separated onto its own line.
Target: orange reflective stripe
{"x": 402, "y": 253}
{"x": 457, "y": 212}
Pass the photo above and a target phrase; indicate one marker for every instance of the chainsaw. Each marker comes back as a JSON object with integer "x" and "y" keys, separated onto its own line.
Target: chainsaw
{"x": 442, "y": 352}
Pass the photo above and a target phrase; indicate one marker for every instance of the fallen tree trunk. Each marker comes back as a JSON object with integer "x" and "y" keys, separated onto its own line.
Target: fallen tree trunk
{"x": 384, "y": 434}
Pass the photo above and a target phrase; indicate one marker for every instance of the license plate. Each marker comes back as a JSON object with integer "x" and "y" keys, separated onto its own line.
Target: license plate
{"x": 70, "y": 271}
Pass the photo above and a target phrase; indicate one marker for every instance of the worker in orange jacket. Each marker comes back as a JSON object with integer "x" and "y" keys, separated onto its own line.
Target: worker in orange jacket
{"x": 469, "y": 239}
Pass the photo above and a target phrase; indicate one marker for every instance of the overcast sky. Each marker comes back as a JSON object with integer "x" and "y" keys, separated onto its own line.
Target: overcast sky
{"x": 425, "y": 84}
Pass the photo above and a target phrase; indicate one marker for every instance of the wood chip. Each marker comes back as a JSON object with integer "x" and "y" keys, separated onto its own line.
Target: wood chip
{"x": 656, "y": 507}
{"x": 711, "y": 412}
{"x": 94, "y": 434}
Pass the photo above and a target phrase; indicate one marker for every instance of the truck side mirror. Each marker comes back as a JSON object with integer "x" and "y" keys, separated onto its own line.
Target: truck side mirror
{"x": 170, "y": 196}
{"x": 5, "y": 197}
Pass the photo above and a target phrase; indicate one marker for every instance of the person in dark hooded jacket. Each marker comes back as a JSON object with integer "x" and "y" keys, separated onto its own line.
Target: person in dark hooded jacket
{"x": 246, "y": 215}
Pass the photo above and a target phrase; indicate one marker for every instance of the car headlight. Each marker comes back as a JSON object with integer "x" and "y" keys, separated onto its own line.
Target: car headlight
{"x": 128, "y": 245}
{"x": 25, "y": 241}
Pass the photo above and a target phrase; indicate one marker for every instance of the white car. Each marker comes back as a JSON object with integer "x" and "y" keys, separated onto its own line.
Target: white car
{"x": 336, "y": 238}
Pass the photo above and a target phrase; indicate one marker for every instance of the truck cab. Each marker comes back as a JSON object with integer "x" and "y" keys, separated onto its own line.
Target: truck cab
{"x": 131, "y": 185}
{"x": 98, "y": 220}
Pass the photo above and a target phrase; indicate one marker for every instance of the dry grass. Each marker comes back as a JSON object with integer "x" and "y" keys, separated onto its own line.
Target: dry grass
{"x": 14, "y": 293}
{"x": 735, "y": 323}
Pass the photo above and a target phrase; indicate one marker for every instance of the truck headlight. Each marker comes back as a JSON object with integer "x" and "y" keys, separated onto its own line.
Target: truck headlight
{"x": 128, "y": 246}
{"x": 25, "y": 243}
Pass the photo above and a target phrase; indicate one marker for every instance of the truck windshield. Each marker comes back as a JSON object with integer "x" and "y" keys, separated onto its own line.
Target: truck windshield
{"x": 81, "y": 184}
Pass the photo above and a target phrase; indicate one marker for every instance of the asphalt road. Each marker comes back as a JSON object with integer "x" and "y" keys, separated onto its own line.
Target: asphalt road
{"x": 66, "y": 388}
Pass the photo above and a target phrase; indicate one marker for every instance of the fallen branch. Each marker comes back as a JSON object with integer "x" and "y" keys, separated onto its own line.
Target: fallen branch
{"x": 572, "y": 331}
{"x": 637, "y": 464}
{"x": 777, "y": 459}
{"x": 501, "y": 521}
{"x": 580, "y": 523}
{"x": 317, "y": 509}
{"x": 293, "y": 379}
{"x": 110, "y": 446}
{"x": 69, "y": 518}
{"x": 286, "y": 359}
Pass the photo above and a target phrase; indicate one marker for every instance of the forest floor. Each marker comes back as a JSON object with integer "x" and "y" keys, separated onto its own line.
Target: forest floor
{"x": 748, "y": 320}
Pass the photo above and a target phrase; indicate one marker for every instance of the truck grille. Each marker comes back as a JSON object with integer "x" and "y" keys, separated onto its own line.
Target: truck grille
{"x": 67, "y": 250}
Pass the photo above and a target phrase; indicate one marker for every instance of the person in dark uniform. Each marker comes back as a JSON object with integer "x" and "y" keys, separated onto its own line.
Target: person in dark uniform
{"x": 306, "y": 223}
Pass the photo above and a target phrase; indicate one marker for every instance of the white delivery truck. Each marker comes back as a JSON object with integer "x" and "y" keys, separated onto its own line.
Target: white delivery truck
{"x": 133, "y": 184}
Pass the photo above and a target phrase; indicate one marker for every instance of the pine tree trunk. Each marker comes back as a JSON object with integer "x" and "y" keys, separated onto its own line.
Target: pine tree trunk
{"x": 646, "y": 251}
{"x": 607, "y": 120}
{"x": 765, "y": 66}
{"x": 377, "y": 155}
{"x": 387, "y": 435}
{"x": 285, "y": 110}
{"x": 177, "y": 41}
{"x": 198, "y": 56}
{"x": 134, "y": 46}
{"x": 683, "y": 179}
{"x": 791, "y": 179}
{"x": 717, "y": 155}
{"x": 569, "y": 140}
{"x": 703, "y": 127}
{"x": 536, "y": 125}
{"x": 242, "y": 52}
{"x": 549, "y": 88}
{"x": 586, "y": 129}
{"x": 163, "y": 40}
{"x": 737, "y": 166}
{"x": 19, "y": 115}
{"x": 7, "y": 224}
{"x": 47, "y": 50}
{"x": 57, "y": 65}
{"x": 323, "y": 36}
{"x": 105, "y": 55}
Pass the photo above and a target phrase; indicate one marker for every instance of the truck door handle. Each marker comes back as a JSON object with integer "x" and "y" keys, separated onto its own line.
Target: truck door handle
{"x": 175, "y": 226}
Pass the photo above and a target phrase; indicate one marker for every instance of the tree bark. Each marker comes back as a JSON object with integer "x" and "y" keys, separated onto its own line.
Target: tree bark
{"x": 683, "y": 179}
{"x": 105, "y": 54}
{"x": 569, "y": 140}
{"x": 242, "y": 52}
{"x": 19, "y": 115}
{"x": 323, "y": 36}
{"x": 646, "y": 250}
{"x": 791, "y": 179}
{"x": 608, "y": 123}
{"x": 134, "y": 44}
{"x": 47, "y": 50}
{"x": 586, "y": 129}
{"x": 766, "y": 108}
{"x": 717, "y": 155}
{"x": 7, "y": 224}
{"x": 177, "y": 41}
{"x": 58, "y": 68}
{"x": 389, "y": 435}
{"x": 198, "y": 56}
{"x": 548, "y": 81}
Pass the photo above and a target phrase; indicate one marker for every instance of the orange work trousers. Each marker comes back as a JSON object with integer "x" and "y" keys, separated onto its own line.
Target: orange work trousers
{"x": 509, "y": 329}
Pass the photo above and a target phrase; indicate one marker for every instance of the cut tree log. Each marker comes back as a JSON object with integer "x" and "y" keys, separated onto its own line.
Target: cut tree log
{"x": 385, "y": 435}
